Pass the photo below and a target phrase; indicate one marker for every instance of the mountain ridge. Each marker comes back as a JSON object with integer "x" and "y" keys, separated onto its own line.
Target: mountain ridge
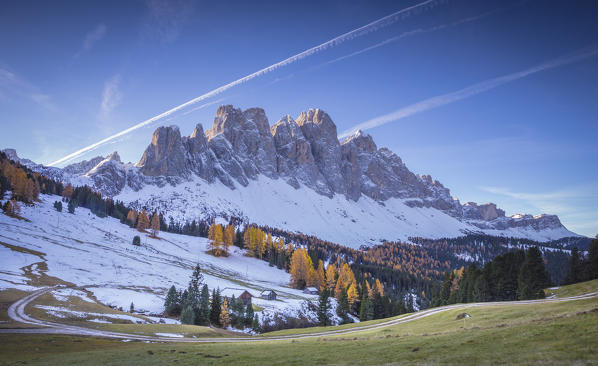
{"x": 242, "y": 148}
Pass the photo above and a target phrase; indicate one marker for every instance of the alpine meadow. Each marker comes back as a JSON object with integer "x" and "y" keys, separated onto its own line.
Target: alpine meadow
{"x": 407, "y": 182}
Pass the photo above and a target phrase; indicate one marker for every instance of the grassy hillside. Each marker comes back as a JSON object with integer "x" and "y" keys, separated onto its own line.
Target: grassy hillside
{"x": 555, "y": 333}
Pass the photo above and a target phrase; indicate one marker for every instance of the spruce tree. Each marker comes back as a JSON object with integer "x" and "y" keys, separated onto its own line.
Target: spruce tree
{"x": 204, "y": 306}
{"x": 171, "y": 304}
{"x": 249, "y": 314}
{"x": 72, "y": 206}
{"x": 342, "y": 309}
{"x": 592, "y": 266}
{"x": 215, "y": 308}
{"x": 188, "y": 315}
{"x": 575, "y": 273}
{"x": 323, "y": 308}
{"x": 255, "y": 324}
{"x": 363, "y": 307}
{"x": 238, "y": 313}
{"x": 533, "y": 277}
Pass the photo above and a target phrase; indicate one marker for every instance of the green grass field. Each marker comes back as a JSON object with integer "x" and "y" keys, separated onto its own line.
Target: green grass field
{"x": 560, "y": 333}
{"x": 573, "y": 290}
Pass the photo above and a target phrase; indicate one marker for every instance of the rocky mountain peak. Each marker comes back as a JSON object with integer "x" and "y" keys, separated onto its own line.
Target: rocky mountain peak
{"x": 363, "y": 141}
{"x": 241, "y": 147}
{"x": 165, "y": 156}
{"x": 114, "y": 157}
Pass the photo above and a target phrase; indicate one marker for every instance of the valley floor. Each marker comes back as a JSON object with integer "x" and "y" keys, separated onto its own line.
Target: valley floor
{"x": 549, "y": 332}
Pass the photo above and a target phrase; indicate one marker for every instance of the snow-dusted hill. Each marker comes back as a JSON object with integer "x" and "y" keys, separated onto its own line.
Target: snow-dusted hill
{"x": 97, "y": 254}
{"x": 294, "y": 175}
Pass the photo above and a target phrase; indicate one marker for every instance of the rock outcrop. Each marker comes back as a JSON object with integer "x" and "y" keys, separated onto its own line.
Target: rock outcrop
{"x": 241, "y": 146}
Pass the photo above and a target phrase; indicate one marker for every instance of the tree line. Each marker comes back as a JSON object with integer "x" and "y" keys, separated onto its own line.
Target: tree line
{"x": 516, "y": 275}
{"x": 195, "y": 305}
{"x": 583, "y": 267}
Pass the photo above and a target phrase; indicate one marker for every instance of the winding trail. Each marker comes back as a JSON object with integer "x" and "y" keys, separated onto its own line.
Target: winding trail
{"x": 17, "y": 313}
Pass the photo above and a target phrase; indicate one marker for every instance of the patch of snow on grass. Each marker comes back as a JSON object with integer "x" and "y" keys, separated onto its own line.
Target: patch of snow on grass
{"x": 171, "y": 335}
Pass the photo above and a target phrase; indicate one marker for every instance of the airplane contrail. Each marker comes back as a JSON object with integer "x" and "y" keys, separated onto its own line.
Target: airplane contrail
{"x": 413, "y": 33}
{"x": 467, "y": 92}
{"x": 368, "y": 28}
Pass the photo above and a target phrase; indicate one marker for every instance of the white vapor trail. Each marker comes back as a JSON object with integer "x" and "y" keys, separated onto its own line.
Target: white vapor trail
{"x": 467, "y": 92}
{"x": 412, "y": 33}
{"x": 368, "y": 28}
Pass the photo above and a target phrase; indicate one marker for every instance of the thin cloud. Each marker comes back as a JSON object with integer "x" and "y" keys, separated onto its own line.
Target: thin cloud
{"x": 573, "y": 205}
{"x": 112, "y": 95}
{"x": 467, "y": 92}
{"x": 91, "y": 38}
{"x": 537, "y": 197}
{"x": 167, "y": 18}
{"x": 366, "y": 29}
{"x": 13, "y": 86}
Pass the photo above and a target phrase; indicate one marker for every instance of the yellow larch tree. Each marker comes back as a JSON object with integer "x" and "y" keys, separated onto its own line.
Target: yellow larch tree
{"x": 331, "y": 276}
{"x": 67, "y": 191}
{"x": 229, "y": 234}
{"x": 320, "y": 277}
{"x": 132, "y": 217}
{"x": 378, "y": 287}
{"x": 155, "y": 225}
{"x": 300, "y": 271}
{"x": 352, "y": 295}
{"x": 224, "y": 316}
{"x": 142, "y": 221}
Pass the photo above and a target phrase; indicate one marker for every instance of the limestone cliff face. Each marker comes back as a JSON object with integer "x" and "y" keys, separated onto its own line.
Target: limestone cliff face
{"x": 241, "y": 146}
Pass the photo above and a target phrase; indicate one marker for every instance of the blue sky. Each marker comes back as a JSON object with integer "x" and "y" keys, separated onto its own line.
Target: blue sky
{"x": 74, "y": 73}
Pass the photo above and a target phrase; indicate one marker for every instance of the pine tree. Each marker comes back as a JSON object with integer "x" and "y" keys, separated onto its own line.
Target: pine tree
{"x": 193, "y": 291}
{"x": 72, "y": 206}
{"x": 155, "y": 225}
{"x": 255, "y": 324}
{"x": 187, "y": 315}
{"x": 58, "y": 206}
{"x": 142, "y": 221}
{"x": 323, "y": 309}
{"x": 363, "y": 309}
{"x": 224, "y": 317}
{"x": 204, "y": 306}
{"x": 171, "y": 304}
{"x": 342, "y": 309}
{"x": 410, "y": 308}
{"x": 575, "y": 273}
{"x": 132, "y": 307}
{"x": 215, "y": 308}
{"x": 592, "y": 266}
{"x": 249, "y": 313}
{"x": 533, "y": 277}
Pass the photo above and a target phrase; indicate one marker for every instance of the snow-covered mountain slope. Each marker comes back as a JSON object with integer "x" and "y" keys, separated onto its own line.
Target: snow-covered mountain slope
{"x": 97, "y": 254}
{"x": 294, "y": 175}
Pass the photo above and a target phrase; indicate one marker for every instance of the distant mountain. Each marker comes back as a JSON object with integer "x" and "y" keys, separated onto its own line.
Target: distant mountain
{"x": 298, "y": 176}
